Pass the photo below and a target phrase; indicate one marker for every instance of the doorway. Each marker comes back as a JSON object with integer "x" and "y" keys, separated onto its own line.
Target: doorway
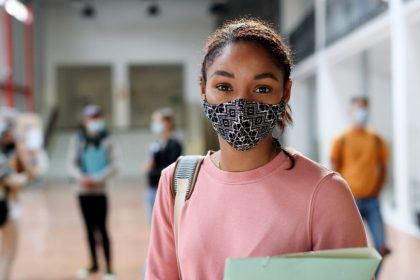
{"x": 78, "y": 86}
{"x": 153, "y": 87}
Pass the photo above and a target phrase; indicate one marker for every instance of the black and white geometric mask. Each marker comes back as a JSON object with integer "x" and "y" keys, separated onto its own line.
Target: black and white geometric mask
{"x": 243, "y": 123}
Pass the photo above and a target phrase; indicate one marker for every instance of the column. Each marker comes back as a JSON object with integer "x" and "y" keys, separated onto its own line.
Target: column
{"x": 399, "y": 96}
{"x": 324, "y": 86}
{"x": 121, "y": 96}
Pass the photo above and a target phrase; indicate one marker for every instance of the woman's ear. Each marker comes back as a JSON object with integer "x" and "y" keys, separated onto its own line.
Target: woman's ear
{"x": 287, "y": 90}
{"x": 202, "y": 88}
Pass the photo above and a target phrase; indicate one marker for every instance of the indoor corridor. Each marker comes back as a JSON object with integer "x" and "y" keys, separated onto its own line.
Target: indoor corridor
{"x": 52, "y": 245}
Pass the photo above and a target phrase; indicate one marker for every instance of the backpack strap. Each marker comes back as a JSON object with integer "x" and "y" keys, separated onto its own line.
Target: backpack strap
{"x": 379, "y": 143}
{"x": 183, "y": 181}
{"x": 80, "y": 146}
{"x": 342, "y": 141}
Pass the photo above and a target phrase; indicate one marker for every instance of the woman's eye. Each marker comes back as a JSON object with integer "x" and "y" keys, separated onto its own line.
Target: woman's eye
{"x": 263, "y": 89}
{"x": 223, "y": 87}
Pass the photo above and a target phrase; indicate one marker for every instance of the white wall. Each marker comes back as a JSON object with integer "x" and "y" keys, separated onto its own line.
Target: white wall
{"x": 414, "y": 114}
{"x": 122, "y": 34}
{"x": 302, "y": 134}
{"x": 380, "y": 89}
{"x": 336, "y": 84}
{"x": 292, "y": 13}
{"x": 381, "y": 115}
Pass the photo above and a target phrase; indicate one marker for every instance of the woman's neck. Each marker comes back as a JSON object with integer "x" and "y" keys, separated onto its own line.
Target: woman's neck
{"x": 229, "y": 159}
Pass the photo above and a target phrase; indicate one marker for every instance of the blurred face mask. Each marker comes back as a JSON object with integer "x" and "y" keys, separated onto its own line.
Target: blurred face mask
{"x": 243, "y": 123}
{"x": 95, "y": 126}
{"x": 157, "y": 128}
{"x": 360, "y": 116}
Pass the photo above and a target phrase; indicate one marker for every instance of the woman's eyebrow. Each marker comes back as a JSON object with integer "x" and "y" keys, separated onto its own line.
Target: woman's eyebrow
{"x": 265, "y": 75}
{"x": 222, "y": 73}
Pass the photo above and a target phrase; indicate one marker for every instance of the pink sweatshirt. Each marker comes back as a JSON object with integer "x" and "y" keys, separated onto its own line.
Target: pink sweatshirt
{"x": 263, "y": 212}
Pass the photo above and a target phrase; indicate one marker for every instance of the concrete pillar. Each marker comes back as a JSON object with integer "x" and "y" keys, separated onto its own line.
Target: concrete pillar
{"x": 399, "y": 98}
{"x": 120, "y": 96}
{"x": 324, "y": 86}
{"x": 195, "y": 136}
{"x": 365, "y": 74}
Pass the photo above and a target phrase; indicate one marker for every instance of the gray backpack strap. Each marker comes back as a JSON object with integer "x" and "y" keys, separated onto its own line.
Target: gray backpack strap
{"x": 182, "y": 187}
{"x": 186, "y": 171}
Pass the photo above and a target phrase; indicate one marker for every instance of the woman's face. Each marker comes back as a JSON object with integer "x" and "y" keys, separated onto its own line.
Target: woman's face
{"x": 245, "y": 70}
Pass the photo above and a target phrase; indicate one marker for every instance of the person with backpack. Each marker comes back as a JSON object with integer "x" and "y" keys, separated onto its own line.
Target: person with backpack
{"x": 163, "y": 152}
{"x": 360, "y": 155}
{"x": 92, "y": 162}
{"x": 253, "y": 197}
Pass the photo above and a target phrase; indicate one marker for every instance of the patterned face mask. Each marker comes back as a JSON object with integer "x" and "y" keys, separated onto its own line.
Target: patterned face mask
{"x": 242, "y": 123}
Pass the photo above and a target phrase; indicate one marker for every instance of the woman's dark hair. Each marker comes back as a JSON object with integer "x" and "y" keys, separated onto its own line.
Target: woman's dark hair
{"x": 255, "y": 31}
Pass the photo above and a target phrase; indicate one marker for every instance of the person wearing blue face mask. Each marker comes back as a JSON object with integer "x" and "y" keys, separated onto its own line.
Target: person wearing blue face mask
{"x": 361, "y": 155}
{"x": 92, "y": 161}
{"x": 163, "y": 152}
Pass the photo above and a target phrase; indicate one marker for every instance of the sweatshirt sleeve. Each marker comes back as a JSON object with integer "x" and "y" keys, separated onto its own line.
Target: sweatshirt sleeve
{"x": 161, "y": 259}
{"x": 334, "y": 220}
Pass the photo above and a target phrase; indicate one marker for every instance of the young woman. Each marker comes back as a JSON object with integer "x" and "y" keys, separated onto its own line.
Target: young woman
{"x": 253, "y": 197}
{"x": 92, "y": 162}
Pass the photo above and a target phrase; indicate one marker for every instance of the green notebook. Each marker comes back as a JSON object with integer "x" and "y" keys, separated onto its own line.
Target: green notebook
{"x": 339, "y": 264}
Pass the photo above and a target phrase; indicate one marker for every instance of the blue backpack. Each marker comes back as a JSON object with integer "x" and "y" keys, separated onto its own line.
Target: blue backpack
{"x": 93, "y": 159}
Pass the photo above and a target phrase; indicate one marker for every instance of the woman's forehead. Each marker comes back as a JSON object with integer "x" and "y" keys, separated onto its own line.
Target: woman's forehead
{"x": 247, "y": 54}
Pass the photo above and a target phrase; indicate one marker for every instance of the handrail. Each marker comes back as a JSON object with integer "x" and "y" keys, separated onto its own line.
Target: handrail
{"x": 50, "y": 125}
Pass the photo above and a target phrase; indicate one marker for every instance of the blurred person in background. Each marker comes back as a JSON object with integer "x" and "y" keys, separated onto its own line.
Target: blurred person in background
{"x": 360, "y": 155}
{"x": 163, "y": 152}
{"x": 30, "y": 145}
{"x": 92, "y": 162}
{"x": 22, "y": 159}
